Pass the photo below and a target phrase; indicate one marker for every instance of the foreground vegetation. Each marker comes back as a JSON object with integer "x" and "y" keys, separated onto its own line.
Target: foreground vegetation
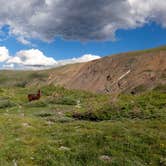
{"x": 69, "y": 127}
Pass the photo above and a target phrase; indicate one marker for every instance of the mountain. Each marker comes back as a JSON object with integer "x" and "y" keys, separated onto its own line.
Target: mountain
{"x": 132, "y": 72}
{"x": 74, "y": 127}
{"x": 126, "y": 72}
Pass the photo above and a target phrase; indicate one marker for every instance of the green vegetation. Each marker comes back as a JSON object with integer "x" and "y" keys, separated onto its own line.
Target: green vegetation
{"x": 20, "y": 78}
{"x": 154, "y": 50}
{"x": 76, "y": 128}
{"x": 149, "y": 105}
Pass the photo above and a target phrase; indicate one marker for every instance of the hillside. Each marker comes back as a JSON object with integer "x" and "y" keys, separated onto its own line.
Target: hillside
{"x": 117, "y": 73}
{"x": 77, "y": 128}
{"x": 125, "y": 72}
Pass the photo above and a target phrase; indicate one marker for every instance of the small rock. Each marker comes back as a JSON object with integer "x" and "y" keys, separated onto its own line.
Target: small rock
{"x": 105, "y": 158}
{"x": 26, "y": 125}
{"x": 49, "y": 123}
{"x": 14, "y": 163}
{"x": 60, "y": 113}
{"x": 19, "y": 106}
{"x": 17, "y": 139}
{"x": 32, "y": 158}
{"x": 22, "y": 114}
{"x": 132, "y": 102}
{"x": 78, "y": 105}
{"x": 63, "y": 148}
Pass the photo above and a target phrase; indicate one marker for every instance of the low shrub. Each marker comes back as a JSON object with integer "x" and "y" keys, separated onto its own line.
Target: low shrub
{"x": 105, "y": 113}
{"x": 62, "y": 100}
{"x": 40, "y": 76}
{"x": 6, "y": 104}
{"x": 39, "y": 103}
{"x": 22, "y": 84}
{"x": 45, "y": 114}
{"x": 144, "y": 106}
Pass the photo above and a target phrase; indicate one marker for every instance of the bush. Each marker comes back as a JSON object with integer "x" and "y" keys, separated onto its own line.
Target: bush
{"x": 21, "y": 84}
{"x": 62, "y": 100}
{"x": 66, "y": 101}
{"x": 6, "y": 104}
{"x": 139, "y": 89}
{"x": 145, "y": 106}
{"x": 105, "y": 113}
{"x": 45, "y": 114}
{"x": 40, "y": 76}
{"x": 160, "y": 88}
{"x": 38, "y": 103}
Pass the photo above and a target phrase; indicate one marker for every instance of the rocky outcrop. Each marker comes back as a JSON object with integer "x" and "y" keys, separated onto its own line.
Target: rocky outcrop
{"x": 114, "y": 74}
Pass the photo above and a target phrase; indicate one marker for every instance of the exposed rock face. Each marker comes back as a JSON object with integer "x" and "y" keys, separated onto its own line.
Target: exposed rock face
{"x": 130, "y": 72}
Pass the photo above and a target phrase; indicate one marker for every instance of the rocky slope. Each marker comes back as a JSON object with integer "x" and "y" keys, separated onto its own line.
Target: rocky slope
{"x": 126, "y": 72}
{"x": 132, "y": 72}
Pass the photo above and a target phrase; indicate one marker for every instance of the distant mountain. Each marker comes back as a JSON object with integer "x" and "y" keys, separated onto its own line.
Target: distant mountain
{"x": 126, "y": 72}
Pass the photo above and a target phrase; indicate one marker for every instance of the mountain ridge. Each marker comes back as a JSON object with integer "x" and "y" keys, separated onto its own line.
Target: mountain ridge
{"x": 125, "y": 72}
{"x": 116, "y": 73}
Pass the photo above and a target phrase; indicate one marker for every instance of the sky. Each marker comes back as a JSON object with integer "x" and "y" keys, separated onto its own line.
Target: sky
{"x": 51, "y": 33}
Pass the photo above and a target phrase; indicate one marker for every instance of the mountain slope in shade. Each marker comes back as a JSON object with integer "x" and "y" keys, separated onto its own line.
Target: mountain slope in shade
{"x": 131, "y": 72}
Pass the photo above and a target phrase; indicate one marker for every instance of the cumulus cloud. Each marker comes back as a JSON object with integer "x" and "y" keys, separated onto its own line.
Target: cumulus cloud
{"x": 34, "y": 59}
{"x": 4, "y": 54}
{"x": 84, "y": 58}
{"x": 8, "y": 66}
{"x": 78, "y": 20}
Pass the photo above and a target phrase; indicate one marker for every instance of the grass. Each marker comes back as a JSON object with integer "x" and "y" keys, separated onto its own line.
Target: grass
{"x": 76, "y": 128}
{"x": 154, "y": 50}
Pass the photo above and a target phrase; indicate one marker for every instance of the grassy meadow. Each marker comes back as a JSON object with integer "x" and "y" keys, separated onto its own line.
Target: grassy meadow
{"x": 76, "y": 128}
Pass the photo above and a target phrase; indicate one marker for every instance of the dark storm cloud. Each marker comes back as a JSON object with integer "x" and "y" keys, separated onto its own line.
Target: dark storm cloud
{"x": 81, "y": 20}
{"x": 85, "y": 20}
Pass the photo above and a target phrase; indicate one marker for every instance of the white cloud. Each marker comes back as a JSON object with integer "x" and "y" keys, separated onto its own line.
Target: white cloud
{"x": 84, "y": 58}
{"x": 78, "y": 20}
{"x": 149, "y": 10}
{"x": 8, "y": 66}
{"x": 23, "y": 40}
{"x": 87, "y": 58}
{"x": 4, "y": 54}
{"x": 32, "y": 57}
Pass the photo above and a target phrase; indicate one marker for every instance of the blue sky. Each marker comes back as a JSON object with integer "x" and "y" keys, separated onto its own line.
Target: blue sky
{"x": 148, "y": 36}
{"x": 50, "y": 31}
